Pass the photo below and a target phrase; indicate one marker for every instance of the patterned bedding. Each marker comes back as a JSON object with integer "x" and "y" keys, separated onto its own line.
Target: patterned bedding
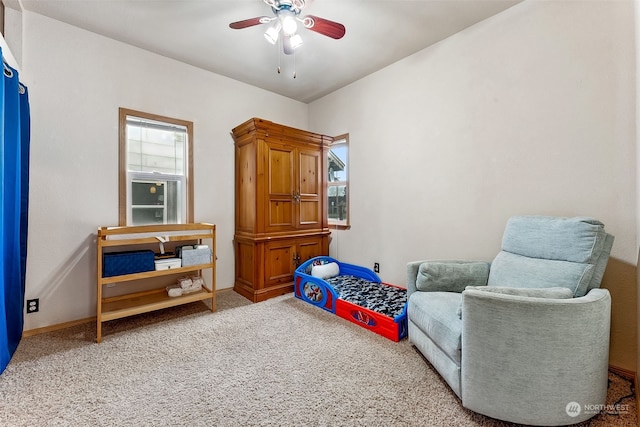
{"x": 383, "y": 299}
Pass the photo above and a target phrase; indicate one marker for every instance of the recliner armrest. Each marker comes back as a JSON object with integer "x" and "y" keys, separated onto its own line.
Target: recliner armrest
{"x": 412, "y": 274}
{"x": 514, "y": 344}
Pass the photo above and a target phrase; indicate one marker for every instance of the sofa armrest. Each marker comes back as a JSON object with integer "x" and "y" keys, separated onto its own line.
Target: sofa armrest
{"x": 445, "y": 276}
{"x": 513, "y": 344}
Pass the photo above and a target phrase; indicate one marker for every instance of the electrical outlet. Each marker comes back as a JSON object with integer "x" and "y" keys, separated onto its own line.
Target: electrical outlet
{"x": 376, "y": 267}
{"x": 33, "y": 305}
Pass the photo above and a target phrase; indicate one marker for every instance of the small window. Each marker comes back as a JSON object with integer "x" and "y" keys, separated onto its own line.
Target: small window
{"x": 338, "y": 182}
{"x": 155, "y": 169}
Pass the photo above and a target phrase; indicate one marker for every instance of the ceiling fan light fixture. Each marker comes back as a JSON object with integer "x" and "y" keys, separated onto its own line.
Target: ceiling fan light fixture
{"x": 272, "y": 34}
{"x": 296, "y": 41}
{"x": 285, "y": 22}
{"x": 289, "y": 24}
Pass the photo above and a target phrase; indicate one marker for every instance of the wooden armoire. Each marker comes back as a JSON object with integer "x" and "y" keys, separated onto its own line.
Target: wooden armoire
{"x": 281, "y": 205}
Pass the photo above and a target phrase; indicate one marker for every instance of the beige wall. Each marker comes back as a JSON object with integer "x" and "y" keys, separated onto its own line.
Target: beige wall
{"x": 77, "y": 81}
{"x": 531, "y": 111}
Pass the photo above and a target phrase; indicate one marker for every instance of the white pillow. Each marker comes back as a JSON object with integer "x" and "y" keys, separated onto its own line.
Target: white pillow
{"x": 325, "y": 271}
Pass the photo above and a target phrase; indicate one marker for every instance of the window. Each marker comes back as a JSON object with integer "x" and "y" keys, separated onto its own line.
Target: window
{"x": 156, "y": 185}
{"x": 338, "y": 185}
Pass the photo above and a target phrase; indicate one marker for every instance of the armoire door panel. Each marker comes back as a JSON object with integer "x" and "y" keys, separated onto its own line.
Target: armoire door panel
{"x": 310, "y": 248}
{"x": 310, "y": 213}
{"x": 280, "y": 170}
{"x": 309, "y": 173}
{"x": 279, "y": 263}
{"x": 280, "y": 213}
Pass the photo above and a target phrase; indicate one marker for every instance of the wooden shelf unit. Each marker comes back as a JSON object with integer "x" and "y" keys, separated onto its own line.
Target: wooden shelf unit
{"x": 128, "y": 238}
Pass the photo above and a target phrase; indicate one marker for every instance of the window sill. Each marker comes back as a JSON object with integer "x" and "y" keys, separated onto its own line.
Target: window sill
{"x": 339, "y": 227}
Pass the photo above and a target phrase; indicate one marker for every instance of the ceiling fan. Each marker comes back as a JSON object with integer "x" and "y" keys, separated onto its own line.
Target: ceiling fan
{"x": 285, "y": 20}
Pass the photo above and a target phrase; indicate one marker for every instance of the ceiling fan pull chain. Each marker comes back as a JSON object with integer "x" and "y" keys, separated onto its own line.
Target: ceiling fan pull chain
{"x": 294, "y": 64}
{"x": 279, "y": 49}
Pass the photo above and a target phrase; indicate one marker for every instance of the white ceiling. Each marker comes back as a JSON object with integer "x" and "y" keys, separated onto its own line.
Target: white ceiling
{"x": 379, "y": 32}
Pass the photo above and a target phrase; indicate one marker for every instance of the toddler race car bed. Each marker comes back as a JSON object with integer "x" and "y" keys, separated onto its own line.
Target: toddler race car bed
{"x": 353, "y": 293}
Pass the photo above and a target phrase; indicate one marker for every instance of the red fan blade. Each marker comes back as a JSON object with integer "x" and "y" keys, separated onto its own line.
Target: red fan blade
{"x": 325, "y": 27}
{"x": 249, "y": 22}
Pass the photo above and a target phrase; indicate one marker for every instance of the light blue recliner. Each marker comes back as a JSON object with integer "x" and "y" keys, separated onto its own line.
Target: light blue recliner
{"x": 524, "y": 338}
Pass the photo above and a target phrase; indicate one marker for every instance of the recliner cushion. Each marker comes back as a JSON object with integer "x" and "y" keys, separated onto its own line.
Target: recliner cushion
{"x": 565, "y": 239}
{"x": 516, "y": 271}
{"x": 435, "y": 314}
{"x": 451, "y": 276}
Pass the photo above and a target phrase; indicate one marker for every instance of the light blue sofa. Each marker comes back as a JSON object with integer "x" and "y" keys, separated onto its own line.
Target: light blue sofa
{"x": 524, "y": 338}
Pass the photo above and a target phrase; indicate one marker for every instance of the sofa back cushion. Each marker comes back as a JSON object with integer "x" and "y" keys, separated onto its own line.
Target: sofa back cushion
{"x": 542, "y": 252}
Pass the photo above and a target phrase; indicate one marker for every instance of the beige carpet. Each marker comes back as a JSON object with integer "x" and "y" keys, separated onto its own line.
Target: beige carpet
{"x": 281, "y": 362}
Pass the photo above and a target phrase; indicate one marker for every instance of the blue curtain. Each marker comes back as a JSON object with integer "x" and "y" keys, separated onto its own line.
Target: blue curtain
{"x": 14, "y": 189}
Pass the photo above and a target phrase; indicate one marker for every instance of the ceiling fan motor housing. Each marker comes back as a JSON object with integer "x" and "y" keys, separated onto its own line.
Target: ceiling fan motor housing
{"x": 294, "y": 6}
